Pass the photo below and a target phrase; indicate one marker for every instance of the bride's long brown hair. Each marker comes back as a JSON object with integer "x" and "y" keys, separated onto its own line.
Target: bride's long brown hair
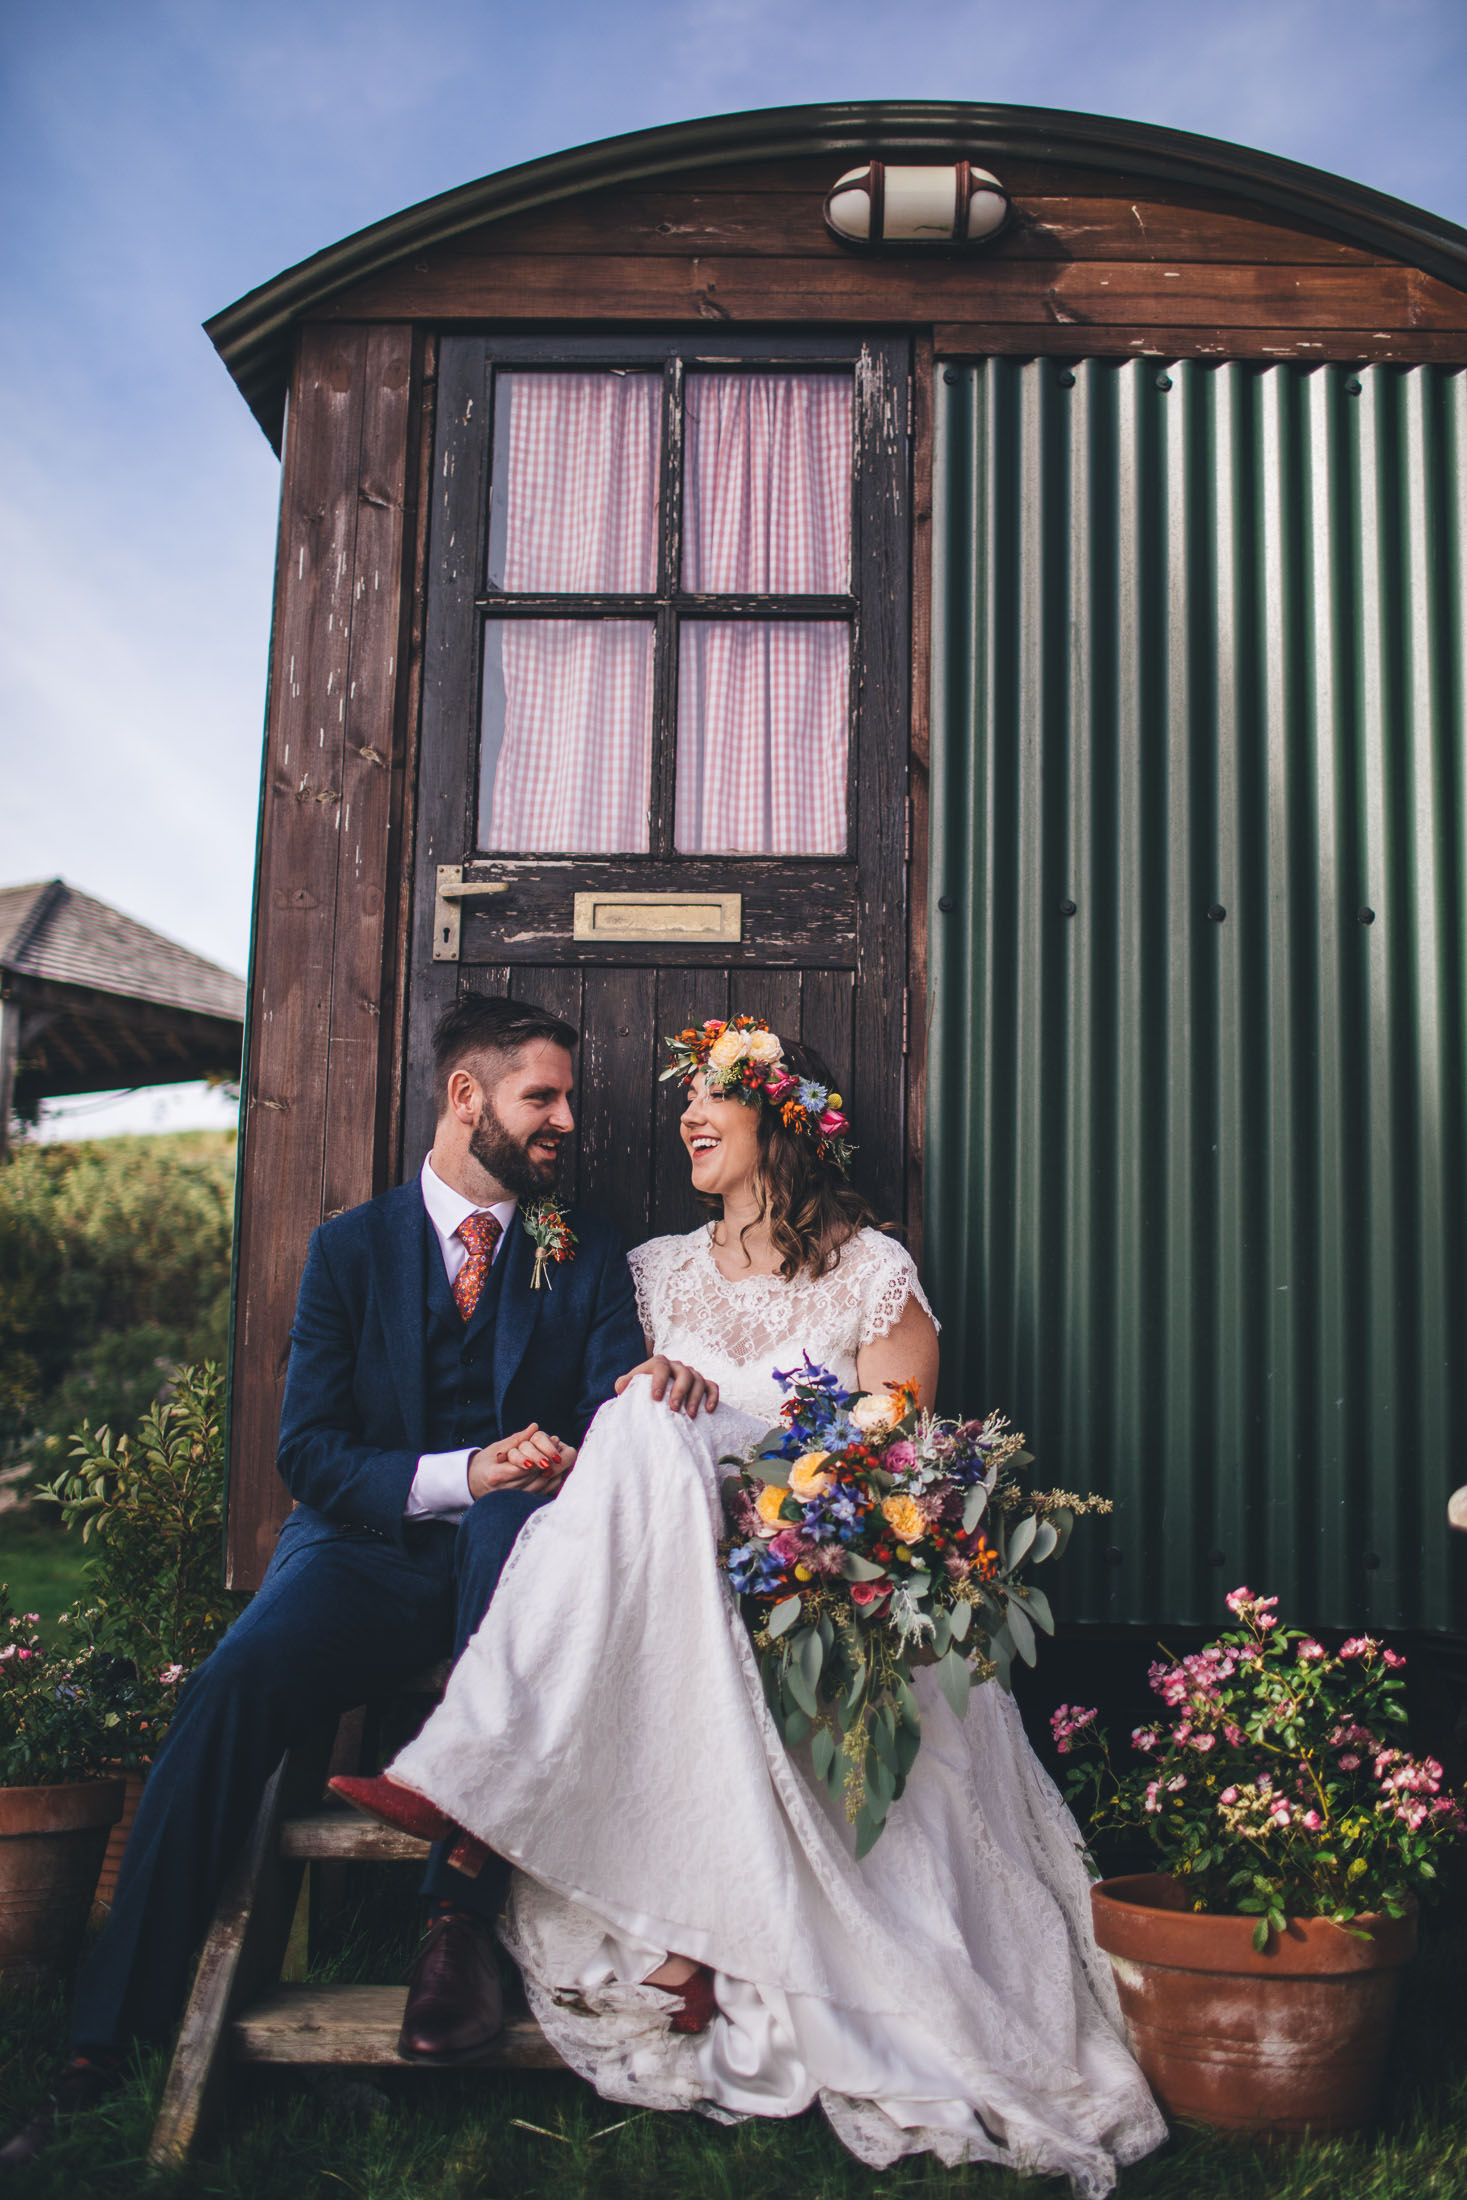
{"x": 811, "y": 1208}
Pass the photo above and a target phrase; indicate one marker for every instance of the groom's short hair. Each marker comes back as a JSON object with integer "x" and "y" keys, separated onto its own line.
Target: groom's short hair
{"x": 489, "y": 1024}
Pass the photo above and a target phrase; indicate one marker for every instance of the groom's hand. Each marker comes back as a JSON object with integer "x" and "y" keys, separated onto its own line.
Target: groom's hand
{"x": 682, "y": 1386}
{"x": 531, "y": 1459}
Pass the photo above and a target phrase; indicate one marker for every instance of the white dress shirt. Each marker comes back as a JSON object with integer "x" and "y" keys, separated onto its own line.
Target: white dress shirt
{"x": 440, "y": 1488}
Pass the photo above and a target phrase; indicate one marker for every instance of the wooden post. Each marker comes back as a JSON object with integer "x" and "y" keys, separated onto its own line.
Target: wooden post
{"x": 9, "y": 1054}
{"x": 325, "y": 904}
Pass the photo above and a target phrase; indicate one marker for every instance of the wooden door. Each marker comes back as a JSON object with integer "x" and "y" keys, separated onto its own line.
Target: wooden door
{"x": 628, "y": 738}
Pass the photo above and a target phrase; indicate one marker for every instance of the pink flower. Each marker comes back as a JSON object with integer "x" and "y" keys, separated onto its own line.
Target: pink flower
{"x": 775, "y": 1088}
{"x": 1311, "y": 1652}
{"x": 833, "y": 1123}
{"x": 898, "y": 1457}
{"x": 869, "y": 1592}
{"x": 1393, "y": 1659}
{"x": 171, "y": 1675}
{"x": 1349, "y": 1762}
{"x": 7, "y": 1652}
{"x": 1313, "y": 1820}
{"x": 33, "y": 1619}
{"x": 25, "y": 1653}
{"x": 1145, "y": 1738}
{"x": 1236, "y": 1599}
{"x": 1228, "y": 1795}
{"x": 1358, "y": 1646}
{"x": 1204, "y": 1742}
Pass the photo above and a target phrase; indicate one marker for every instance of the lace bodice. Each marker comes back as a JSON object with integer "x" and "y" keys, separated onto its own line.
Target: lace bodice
{"x": 739, "y": 1333}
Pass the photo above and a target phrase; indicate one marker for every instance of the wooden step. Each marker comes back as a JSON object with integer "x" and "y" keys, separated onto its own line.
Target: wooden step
{"x": 346, "y": 1837}
{"x": 359, "y": 2025}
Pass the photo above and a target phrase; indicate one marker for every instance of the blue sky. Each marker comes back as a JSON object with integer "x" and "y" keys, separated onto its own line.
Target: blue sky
{"x": 160, "y": 158}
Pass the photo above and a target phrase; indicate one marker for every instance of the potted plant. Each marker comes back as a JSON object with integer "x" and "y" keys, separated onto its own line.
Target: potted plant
{"x": 62, "y": 1706}
{"x": 1259, "y": 1965}
{"x": 151, "y": 1509}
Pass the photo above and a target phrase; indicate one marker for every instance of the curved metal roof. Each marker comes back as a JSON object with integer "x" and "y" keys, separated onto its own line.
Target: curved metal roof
{"x": 253, "y": 335}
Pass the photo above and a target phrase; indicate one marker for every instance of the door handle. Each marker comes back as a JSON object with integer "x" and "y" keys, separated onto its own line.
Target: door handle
{"x": 454, "y": 889}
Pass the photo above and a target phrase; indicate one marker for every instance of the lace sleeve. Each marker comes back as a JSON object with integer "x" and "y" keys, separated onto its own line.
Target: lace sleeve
{"x": 889, "y": 1281}
{"x": 645, "y": 1267}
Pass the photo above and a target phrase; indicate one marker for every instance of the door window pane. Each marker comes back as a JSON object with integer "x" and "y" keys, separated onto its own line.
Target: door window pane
{"x": 566, "y": 754}
{"x": 767, "y": 486}
{"x": 573, "y": 493}
{"x": 761, "y": 737}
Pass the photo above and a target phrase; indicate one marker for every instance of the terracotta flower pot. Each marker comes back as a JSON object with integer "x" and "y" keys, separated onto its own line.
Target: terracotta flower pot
{"x": 1293, "y": 2037}
{"x": 117, "y": 1841}
{"x": 51, "y": 1845}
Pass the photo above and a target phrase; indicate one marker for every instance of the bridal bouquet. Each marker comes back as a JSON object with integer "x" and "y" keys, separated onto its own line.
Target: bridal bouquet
{"x": 868, "y": 1537}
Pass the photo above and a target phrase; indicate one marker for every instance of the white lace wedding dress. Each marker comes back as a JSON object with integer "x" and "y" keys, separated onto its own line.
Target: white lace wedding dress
{"x": 606, "y": 1730}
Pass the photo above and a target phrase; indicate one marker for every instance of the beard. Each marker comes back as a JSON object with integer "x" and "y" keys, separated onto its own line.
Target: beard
{"x": 509, "y": 1160}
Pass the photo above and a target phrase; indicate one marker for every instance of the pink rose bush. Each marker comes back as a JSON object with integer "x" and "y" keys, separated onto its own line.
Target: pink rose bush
{"x": 1273, "y": 1786}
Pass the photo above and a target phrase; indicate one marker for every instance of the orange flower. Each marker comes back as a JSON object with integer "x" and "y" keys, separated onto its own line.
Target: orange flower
{"x": 806, "y": 1479}
{"x": 768, "y": 1502}
{"x": 905, "y": 1516}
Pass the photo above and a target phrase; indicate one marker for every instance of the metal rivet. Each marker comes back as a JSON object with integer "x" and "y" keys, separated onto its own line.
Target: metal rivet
{"x": 1372, "y": 1562}
{"x": 1352, "y": 388}
{"x": 1163, "y": 381}
{"x": 1112, "y": 1554}
{"x": 946, "y": 904}
{"x": 1216, "y": 912}
{"x": 1067, "y": 908}
{"x": 950, "y": 374}
{"x": 1215, "y": 1557}
{"x": 1065, "y": 379}
{"x": 1367, "y": 916}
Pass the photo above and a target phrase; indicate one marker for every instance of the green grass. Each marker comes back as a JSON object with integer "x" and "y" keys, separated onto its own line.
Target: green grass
{"x": 419, "y": 2136}
{"x": 41, "y": 1561}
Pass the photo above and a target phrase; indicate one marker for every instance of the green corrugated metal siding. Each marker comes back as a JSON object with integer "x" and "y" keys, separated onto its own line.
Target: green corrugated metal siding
{"x": 1197, "y": 1187}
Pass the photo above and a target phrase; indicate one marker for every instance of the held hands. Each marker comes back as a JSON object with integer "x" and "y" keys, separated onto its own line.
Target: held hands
{"x": 532, "y": 1460}
{"x": 683, "y": 1387}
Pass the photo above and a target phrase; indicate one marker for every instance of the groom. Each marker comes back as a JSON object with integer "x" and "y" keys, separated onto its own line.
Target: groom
{"x": 433, "y": 1401}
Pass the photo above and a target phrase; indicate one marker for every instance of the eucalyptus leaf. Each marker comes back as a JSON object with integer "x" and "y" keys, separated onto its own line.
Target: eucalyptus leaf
{"x": 1036, "y": 1604}
{"x": 1020, "y": 1540}
{"x": 811, "y": 1653}
{"x": 796, "y": 1727}
{"x": 1064, "y": 1521}
{"x": 822, "y": 1749}
{"x": 797, "y": 1690}
{"x": 840, "y": 1765}
{"x": 880, "y": 1783}
{"x": 783, "y": 1617}
{"x": 942, "y": 1632}
{"x": 953, "y": 1678}
{"x": 1021, "y": 1631}
{"x": 973, "y": 1507}
{"x": 960, "y": 1620}
{"x": 856, "y": 1568}
{"x": 868, "y": 1832}
{"x": 826, "y": 1633}
{"x": 1046, "y": 1539}
{"x": 906, "y": 1704}
{"x": 1001, "y": 1651}
{"x": 883, "y": 1740}
{"x": 908, "y": 1744}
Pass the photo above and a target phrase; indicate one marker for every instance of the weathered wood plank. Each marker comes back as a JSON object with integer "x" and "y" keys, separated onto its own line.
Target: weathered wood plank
{"x": 282, "y": 1120}
{"x": 346, "y": 2025}
{"x": 793, "y": 913}
{"x": 918, "y": 836}
{"x": 683, "y": 288}
{"x": 367, "y": 714}
{"x": 683, "y": 997}
{"x": 1354, "y": 347}
{"x": 616, "y": 1080}
{"x": 560, "y": 990}
{"x": 757, "y": 220}
{"x": 344, "y": 1837}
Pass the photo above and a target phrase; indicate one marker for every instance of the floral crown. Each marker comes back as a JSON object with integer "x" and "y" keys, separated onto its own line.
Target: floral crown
{"x": 742, "y": 1059}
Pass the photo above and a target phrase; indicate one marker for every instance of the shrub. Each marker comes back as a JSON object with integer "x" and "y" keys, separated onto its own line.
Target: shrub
{"x": 151, "y": 1510}
{"x": 114, "y": 1268}
{"x": 67, "y": 1710}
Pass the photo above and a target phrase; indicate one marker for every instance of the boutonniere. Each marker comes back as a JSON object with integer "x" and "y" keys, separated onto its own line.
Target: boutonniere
{"x": 551, "y": 1235}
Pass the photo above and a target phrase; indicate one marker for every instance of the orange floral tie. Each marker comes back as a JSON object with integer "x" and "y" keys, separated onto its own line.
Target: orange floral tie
{"x": 480, "y": 1233}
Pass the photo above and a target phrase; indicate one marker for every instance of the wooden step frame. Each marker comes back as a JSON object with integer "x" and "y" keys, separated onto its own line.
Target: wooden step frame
{"x": 243, "y": 2007}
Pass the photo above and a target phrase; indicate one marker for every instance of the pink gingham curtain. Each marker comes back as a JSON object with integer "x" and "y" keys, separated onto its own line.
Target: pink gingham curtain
{"x": 763, "y": 706}
{"x": 573, "y": 768}
{"x": 762, "y": 712}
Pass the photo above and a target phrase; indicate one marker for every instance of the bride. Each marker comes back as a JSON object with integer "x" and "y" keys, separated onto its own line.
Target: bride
{"x": 688, "y": 1912}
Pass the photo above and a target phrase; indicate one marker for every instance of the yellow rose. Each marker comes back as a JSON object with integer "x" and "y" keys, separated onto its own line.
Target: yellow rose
{"x": 873, "y": 1416}
{"x": 904, "y": 1515}
{"x": 728, "y": 1048}
{"x": 806, "y": 1479}
{"x": 762, "y": 1046}
{"x": 768, "y": 1502}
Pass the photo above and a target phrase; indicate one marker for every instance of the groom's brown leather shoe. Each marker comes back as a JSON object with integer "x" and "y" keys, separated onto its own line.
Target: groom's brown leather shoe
{"x": 455, "y": 2005}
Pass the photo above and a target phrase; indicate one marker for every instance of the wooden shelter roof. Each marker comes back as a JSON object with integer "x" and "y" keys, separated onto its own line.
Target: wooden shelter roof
{"x": 92, "y": 1000}
{"x": 254, "y": 336}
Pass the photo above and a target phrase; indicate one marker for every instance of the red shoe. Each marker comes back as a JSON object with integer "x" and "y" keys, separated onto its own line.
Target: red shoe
{"x": 412, "y": 1813}
{"x": 697, "y": 2007}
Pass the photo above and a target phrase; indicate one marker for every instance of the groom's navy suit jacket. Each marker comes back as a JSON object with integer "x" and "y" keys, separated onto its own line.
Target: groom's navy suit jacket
{"x": 356, "y": 1415}
{"x": 355, "y": 1596}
